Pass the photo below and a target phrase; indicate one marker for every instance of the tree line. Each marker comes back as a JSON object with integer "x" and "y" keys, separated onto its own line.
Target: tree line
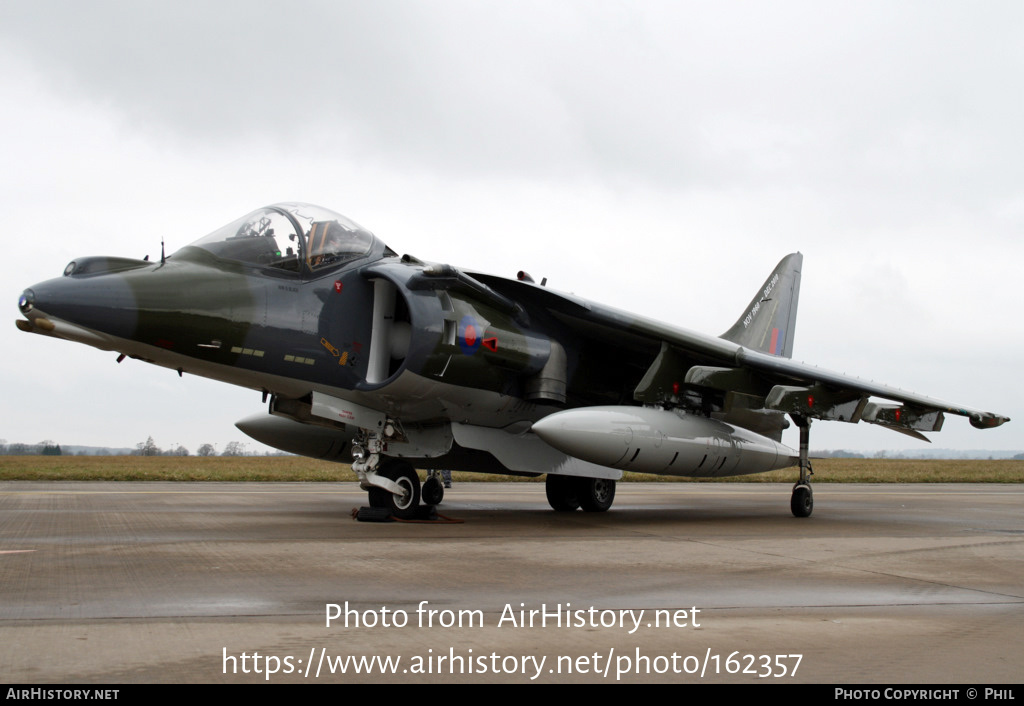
{"x": 143, "y": 448}
{"x": 43, "y": 448}
{"x": 149, "y": 448}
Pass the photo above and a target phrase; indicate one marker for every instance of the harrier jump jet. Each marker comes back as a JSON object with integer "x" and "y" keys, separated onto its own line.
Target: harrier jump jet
{"x": 396, "y": 363}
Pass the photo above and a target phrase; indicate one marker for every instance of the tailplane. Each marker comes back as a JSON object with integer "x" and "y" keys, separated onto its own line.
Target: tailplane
{"x": 768, "y": 324}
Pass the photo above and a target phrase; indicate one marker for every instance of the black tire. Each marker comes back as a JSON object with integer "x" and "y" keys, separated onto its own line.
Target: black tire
{"x": 802, "y": 502}
{"x": 432, "y": 491}
{"x": 378, "y": 497}
{"x": 561, "y": 492}
{"x": 403, "y": 506}
{"x": 595, "y": 494}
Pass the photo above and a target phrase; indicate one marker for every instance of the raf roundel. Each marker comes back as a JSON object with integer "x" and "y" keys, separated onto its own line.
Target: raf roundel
{"x": 470, "y": 335}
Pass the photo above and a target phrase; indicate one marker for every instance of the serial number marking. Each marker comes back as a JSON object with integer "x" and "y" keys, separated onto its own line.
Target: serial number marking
{"x": 749, "y": 318}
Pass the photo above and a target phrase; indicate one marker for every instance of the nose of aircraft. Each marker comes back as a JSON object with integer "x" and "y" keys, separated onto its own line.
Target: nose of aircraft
{"x": 26, "y": 301}
{"x": 79, "y": 308}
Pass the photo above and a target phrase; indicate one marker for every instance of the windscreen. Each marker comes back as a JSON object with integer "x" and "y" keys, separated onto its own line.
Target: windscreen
{"x": 288, "y": 237}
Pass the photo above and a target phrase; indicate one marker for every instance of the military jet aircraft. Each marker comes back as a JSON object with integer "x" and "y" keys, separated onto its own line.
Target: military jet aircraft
{"x": 396, "y": 363}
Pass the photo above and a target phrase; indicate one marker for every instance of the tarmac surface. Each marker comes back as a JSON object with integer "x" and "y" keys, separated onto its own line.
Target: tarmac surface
{"x": 112, "y": 583}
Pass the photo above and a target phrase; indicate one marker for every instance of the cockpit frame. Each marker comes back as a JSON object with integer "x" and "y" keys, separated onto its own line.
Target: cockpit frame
{"x": 300, "y": 239}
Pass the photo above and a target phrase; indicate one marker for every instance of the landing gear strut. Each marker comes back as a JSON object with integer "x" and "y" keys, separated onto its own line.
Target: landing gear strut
{"x": 802, "y": 502}
{"x": 392, "y": 484}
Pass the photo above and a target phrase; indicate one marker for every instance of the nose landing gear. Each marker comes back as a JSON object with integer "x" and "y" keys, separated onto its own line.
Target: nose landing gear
{"x": 402, "y": 496}
{"x": 433, "y": 489}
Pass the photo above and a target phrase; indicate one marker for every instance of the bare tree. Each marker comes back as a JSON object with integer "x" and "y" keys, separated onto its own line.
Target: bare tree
{"x": 234, "y": 448}
{"x": 147, "y": 448}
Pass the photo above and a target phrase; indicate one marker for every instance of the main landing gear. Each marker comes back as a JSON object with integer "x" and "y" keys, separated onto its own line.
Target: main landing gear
{"x": 568, "y": 493}
{"x": 802, "y": 502}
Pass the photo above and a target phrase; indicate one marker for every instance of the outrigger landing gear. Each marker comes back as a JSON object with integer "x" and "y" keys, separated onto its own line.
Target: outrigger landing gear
{"x": 802, "y": 502}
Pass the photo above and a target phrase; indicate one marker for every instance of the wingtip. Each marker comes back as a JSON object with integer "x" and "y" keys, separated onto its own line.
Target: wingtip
{"x": 987, "y": 420}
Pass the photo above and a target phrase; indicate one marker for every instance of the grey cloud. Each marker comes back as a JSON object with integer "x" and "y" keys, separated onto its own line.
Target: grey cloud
{"x": 897, "y": 103}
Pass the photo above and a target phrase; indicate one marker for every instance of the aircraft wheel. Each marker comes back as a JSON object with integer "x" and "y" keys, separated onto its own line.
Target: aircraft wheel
{"x": 401, "y": 506}
{"x": 433, "y": 491}
{"x": 562, "y": 493}
{"x": 596, "y": 494}
{"x": 378, "y": 497}
{"x": 802, "y": 502}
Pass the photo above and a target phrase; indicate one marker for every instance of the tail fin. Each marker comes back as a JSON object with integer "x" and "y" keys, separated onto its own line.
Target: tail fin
{"x": 769, "y": 323}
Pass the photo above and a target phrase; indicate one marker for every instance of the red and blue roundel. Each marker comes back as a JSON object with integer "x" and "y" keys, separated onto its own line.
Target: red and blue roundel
{"x": 471, "y": 335}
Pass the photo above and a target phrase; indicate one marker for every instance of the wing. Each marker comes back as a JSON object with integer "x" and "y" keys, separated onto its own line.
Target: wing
{"x": 744, "y": 377}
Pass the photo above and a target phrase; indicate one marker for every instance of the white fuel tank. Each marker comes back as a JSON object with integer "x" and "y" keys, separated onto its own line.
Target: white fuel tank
{"x": 650, "y": 440}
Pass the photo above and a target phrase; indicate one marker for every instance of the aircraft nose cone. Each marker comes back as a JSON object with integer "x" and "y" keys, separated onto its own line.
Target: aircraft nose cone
{"x": 103, "y": 303}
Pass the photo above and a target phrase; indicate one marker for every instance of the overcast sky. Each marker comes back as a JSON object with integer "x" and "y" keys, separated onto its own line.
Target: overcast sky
{"x": 660, "y": 157}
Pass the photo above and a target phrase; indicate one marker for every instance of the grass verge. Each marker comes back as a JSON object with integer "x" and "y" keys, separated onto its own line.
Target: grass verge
{"x": 294, "y": 468}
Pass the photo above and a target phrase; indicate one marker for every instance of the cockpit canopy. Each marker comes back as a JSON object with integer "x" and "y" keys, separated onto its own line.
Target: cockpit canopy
{"x": 290, "y": 236}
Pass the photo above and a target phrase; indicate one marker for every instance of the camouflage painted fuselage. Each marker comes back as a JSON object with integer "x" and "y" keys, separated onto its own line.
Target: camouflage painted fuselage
{"x": 343, "y": 334}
